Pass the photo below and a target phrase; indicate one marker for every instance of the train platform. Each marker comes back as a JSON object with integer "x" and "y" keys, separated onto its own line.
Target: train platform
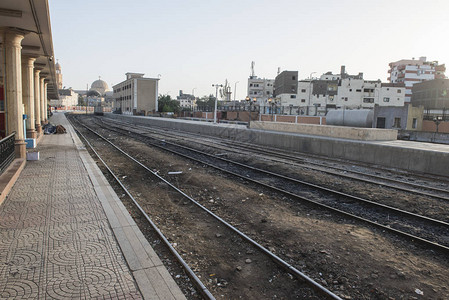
{"x": 409, "y": 156}
{"x": 64, "y": 234}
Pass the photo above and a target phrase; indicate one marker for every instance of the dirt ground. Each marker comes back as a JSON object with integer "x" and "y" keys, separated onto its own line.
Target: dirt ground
{"x": 353, "y": 260}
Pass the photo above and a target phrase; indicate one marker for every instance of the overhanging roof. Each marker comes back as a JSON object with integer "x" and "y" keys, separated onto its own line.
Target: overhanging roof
{"x": 33, "y": 17}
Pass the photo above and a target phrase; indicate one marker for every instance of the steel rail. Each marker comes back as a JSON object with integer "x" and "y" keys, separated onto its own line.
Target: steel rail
{"x": 196, "y": 281}
{"x": 325, "y": 189}
{"x": 287, "y": 267}
{"x": 383, "y": 227}
{"x": 264, "y": 151}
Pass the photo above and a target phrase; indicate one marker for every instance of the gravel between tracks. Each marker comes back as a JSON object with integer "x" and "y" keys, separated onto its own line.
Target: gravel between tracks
{"x": 352, "y": 260}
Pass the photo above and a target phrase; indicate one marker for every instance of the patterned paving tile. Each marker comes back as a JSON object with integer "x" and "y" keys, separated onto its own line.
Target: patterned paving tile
{"x": 55, "y": 240}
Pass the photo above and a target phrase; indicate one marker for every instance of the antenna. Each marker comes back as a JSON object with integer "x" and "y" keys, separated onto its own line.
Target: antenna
{"x": 253, "y": 63}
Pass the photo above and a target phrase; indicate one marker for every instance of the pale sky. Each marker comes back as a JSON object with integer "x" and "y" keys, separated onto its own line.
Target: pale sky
{"x": 194, "y": 44}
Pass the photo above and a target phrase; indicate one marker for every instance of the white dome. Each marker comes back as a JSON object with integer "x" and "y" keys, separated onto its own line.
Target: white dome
{"x": 100, "y": 86}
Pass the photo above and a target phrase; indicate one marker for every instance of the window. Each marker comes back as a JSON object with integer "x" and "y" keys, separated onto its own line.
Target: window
{"x": 397, "y": 123}
{"x": 414, "y": 123}
{"x": 399, "y": 91}
{"x": 250, "y": 84}
{"x": 368, "y": 100}
{"x": 303, "y": 100}
{"x": 303, "y": 90}
{"x": 368, "y": 90}
{"x": 380, "y": 122}
{"x": 350, "y": 90}
{"x": 358, "y": 90}
{"x": 292, "y": 96}
{"x": 293, "y": 77}
{"x": 386, "y": 99}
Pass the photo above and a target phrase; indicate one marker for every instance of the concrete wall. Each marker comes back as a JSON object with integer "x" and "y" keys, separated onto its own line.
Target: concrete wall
{"x": 292, "y": 119}
{"x": 396, "y": 154}
{"x": 428, "y": 137}
{"x": 352, "y": 133}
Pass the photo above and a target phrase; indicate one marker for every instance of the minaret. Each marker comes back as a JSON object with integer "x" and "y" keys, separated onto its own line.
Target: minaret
{"x": 58, "y": 74}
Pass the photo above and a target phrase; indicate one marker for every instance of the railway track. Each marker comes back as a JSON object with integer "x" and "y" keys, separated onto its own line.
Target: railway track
{"x": 430, "y": 232}
{"x": 369, "y": 176}
{"x": 305, "y": 285}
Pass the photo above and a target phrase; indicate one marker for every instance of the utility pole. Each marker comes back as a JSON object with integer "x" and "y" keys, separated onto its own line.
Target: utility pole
{"x": 216, "y": 100}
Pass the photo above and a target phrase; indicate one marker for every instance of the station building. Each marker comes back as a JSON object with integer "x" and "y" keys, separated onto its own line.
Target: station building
{"x": 27, "y": 70}
{"x": 136, "y": 95}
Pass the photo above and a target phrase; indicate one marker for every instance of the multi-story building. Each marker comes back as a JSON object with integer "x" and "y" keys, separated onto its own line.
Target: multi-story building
{"x": 333, "y": 91}
{"x": 136, "y": 95}
{"x": 433, "y": 95}
{"x": 186, "y": 100}
{"x": 67, "y": 98}
{"x": 286, "y": 83}
{"x": 259, "y": 88}
{"x": 411, "y": 71}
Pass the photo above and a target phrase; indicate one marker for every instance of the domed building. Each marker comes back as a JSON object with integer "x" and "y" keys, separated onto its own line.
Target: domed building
{"x": 99, "y": 86}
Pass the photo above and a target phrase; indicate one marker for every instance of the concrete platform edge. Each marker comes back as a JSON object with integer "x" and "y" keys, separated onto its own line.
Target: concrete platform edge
{"x": 408, "y": 156}
{"x": 145, "y": 265}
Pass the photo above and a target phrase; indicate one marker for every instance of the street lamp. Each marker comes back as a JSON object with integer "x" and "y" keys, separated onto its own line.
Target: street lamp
{"x": 310, "y": 91}
{"x": 437, "y": 121}
{"x": 216, "y": 100}
{"x": 235, "y": 89}
{"x": 273, "y": 105}
{"x": 248, "y": 99}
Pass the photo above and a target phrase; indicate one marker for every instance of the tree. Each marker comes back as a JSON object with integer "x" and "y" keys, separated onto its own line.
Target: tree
{"x": 167, "y": 104}
{"x": 81, "y": 101}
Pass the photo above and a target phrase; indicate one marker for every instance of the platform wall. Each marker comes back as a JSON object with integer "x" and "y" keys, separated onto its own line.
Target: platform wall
{"x": 378, "y": 153}
{"x": 352, "y": 133}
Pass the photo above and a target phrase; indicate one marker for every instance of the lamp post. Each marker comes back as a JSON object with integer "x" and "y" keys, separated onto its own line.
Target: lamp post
{"x": 216, "y": 100}
{"x": 270, "y": 101}
{"x": 248, "y": 99}
{"x": 235, "y": 89}
{"x": 437, "y": 121}
{"x": 310, "y": 91}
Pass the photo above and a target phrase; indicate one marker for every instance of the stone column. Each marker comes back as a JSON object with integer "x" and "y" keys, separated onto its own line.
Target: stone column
{"x": 37, "y": 101}
{"x": 41, "y": 101}
{"x": 13, "y": 86}
{"x": 28, "y": 94}
{"x": 45, "y": 102}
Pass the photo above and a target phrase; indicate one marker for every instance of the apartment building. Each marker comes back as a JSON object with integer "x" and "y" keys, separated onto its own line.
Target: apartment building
{"x": 411, "y": 71}
{"x": 259, "y": 88}
{"x": 333, "y": 91}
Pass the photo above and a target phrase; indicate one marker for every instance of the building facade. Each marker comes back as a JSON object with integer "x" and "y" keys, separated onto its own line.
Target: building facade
{"x": 406, "y": 117}
{"x": 286, "y": 83}
{"x": 411, "y": 71}
{"x": 136, "y": 95}
{"x": 433, "y": 95}
{"x": 335, "y": 91}
{"x": 261, "y": 89}
{"x": 186, "y": 101}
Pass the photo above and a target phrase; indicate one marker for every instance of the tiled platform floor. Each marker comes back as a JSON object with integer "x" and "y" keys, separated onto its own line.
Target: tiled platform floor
{"x": 55, "y": 238}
